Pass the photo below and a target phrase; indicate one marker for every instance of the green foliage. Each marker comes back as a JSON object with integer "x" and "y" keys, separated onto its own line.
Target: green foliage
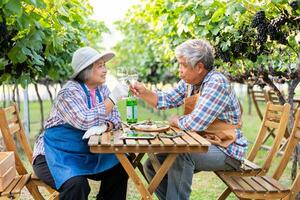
{"x": 154, "y": 28}
{"x": 38, "y": 37}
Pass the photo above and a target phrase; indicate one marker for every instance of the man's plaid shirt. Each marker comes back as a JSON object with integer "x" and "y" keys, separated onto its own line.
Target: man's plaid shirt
{"x": 217, "y": 100}
{"x": 71, "y": 107}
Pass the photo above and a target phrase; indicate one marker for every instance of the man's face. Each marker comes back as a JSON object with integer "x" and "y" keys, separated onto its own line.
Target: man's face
{"x": 188, "y": 73}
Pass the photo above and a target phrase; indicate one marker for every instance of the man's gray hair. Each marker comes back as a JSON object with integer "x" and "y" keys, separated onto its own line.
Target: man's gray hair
{"x": 195, "y": 51}
{"x": 85, "y": 74}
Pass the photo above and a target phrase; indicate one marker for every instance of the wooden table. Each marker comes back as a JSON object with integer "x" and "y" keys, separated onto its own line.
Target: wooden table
{"x": 110, "y": 142}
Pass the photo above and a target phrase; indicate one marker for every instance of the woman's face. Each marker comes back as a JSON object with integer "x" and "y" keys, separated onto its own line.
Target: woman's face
{"x": 98, "y": 74}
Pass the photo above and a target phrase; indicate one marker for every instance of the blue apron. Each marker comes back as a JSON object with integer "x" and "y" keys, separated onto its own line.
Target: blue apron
{"x": 68, "y": 155}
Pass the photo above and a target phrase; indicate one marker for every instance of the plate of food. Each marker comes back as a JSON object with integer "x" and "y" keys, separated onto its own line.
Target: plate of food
{"x": 170, "y": 134}
{"x": 132, "y": 134}
{"x": 150, "y": 126}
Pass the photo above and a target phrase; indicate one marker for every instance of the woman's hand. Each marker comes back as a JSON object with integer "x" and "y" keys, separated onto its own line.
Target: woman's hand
{"x": 118, "y": 92}
{"x": 110, "y": 126}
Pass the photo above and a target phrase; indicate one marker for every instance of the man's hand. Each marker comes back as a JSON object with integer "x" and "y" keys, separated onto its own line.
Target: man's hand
{"x": 138, "y": 89}
{"x": 173, "y": 121}
{"x": 119, "y": 92}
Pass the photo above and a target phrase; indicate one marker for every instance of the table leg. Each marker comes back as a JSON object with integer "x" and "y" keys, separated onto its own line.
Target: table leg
{"x": 133, "y": 175}
{"x": 137, "y": 163}
{"x": 154, "y": 161}
{"x": 161, "y": 172}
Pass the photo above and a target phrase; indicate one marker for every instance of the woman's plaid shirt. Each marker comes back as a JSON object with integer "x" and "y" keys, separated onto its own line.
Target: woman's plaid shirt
{"x": 217, "y": 100}
{"x": 70, "y": 107}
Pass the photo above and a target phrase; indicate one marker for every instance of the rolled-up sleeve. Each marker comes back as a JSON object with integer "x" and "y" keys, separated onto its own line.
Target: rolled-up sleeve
{"x": 171, "y": 98}
{"x": 114, "y": 116}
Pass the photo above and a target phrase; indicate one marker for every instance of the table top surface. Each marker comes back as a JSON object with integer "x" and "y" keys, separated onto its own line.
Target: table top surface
{"x": 112, "y": 142}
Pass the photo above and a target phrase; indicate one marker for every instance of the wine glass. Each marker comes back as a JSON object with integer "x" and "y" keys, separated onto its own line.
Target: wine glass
{"x": 122, "y": 75}
{"x": 132, "y": 75}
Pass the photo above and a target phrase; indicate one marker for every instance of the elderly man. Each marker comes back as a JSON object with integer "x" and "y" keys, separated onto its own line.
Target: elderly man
{"x": 210, "y": 108}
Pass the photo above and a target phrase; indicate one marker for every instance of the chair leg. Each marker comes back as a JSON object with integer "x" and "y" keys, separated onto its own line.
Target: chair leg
{"x": 34, "y": 191}
{"x": 224, "y": 194}
{"x": 54, "y": 196}
{"x": 50, "y": 190}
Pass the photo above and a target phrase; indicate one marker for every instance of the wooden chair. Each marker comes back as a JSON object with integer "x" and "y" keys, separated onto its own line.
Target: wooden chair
{"x": 13, "y": 190}
{"x": 265, "y": 187}
{"x": 10, "y": 183}
{"x": 272, "y": 96}
{"x": 275, "y": 117}
{"x": 11, "y": 124}
{"x": 258, "y": 96}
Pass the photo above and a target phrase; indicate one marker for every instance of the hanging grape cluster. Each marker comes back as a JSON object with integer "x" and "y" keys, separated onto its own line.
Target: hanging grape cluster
{"x": 224, "y": 55}
{"x": 258, "y": 19}
{"x": 6, "y": 43}
{"x": 5, "y": 38}
{"x": 273, "y": 27}
{"x": 294, "y": 5}
{"x": 268, "y": 30}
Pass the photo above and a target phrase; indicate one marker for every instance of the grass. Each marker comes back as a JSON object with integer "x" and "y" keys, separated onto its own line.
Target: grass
{"x": 206, "y": 185}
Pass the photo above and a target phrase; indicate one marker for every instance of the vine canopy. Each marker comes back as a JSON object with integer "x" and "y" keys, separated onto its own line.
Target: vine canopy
{"x": 38, "y": 37}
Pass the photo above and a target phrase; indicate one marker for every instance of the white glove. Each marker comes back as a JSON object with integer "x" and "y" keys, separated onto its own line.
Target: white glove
{"x": 95, "y": 130}
{"x": 119, "y": 92}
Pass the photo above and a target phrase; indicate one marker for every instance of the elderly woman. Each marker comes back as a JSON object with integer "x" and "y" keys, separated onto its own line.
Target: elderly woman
{"x": 210, "y": 108}
{"x": 61, "y": 156}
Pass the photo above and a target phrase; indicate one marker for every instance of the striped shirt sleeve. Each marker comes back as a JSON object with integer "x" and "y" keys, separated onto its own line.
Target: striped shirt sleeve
{"x": 172, "y": 98}
{"x": 114, "y": 115}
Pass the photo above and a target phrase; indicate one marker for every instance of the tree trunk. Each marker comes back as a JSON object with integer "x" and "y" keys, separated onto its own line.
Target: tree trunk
{"x": 49, "y": 92}
{"x": 18, "y": 97}
{"x": 4, "y": 96}
{"x": 14, "y": 93}
{"x": 271, "y": 84}
{"x": 249, "y": 99}
{"x": 26, "y": 112}
{"x": 8, "y": 95}
{"x": 41, "y": 105}
{"x": 291, "y": 92}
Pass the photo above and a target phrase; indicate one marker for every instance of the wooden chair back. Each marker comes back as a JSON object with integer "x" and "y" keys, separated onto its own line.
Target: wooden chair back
{"x": 258, "y": 95}
{"x": 11, "y": 125}
{"x": 264, "y": 187}
{"x": 272, "y": 96}
{"x": 286, "y": 157}
{"x": 275, "y": 117}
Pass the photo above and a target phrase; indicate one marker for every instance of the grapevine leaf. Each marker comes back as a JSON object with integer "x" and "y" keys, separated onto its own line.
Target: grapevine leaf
{"x": 14, "y": 7}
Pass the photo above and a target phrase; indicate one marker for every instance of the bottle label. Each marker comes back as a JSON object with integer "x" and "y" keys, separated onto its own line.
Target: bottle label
{"x": 131, "y": 114}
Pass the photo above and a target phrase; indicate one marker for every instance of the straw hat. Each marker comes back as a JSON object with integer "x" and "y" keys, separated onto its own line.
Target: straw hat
{"x": 85, "y": 56}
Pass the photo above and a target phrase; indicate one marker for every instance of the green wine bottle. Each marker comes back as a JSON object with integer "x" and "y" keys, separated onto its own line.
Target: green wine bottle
{"x": 131, "y": 105}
